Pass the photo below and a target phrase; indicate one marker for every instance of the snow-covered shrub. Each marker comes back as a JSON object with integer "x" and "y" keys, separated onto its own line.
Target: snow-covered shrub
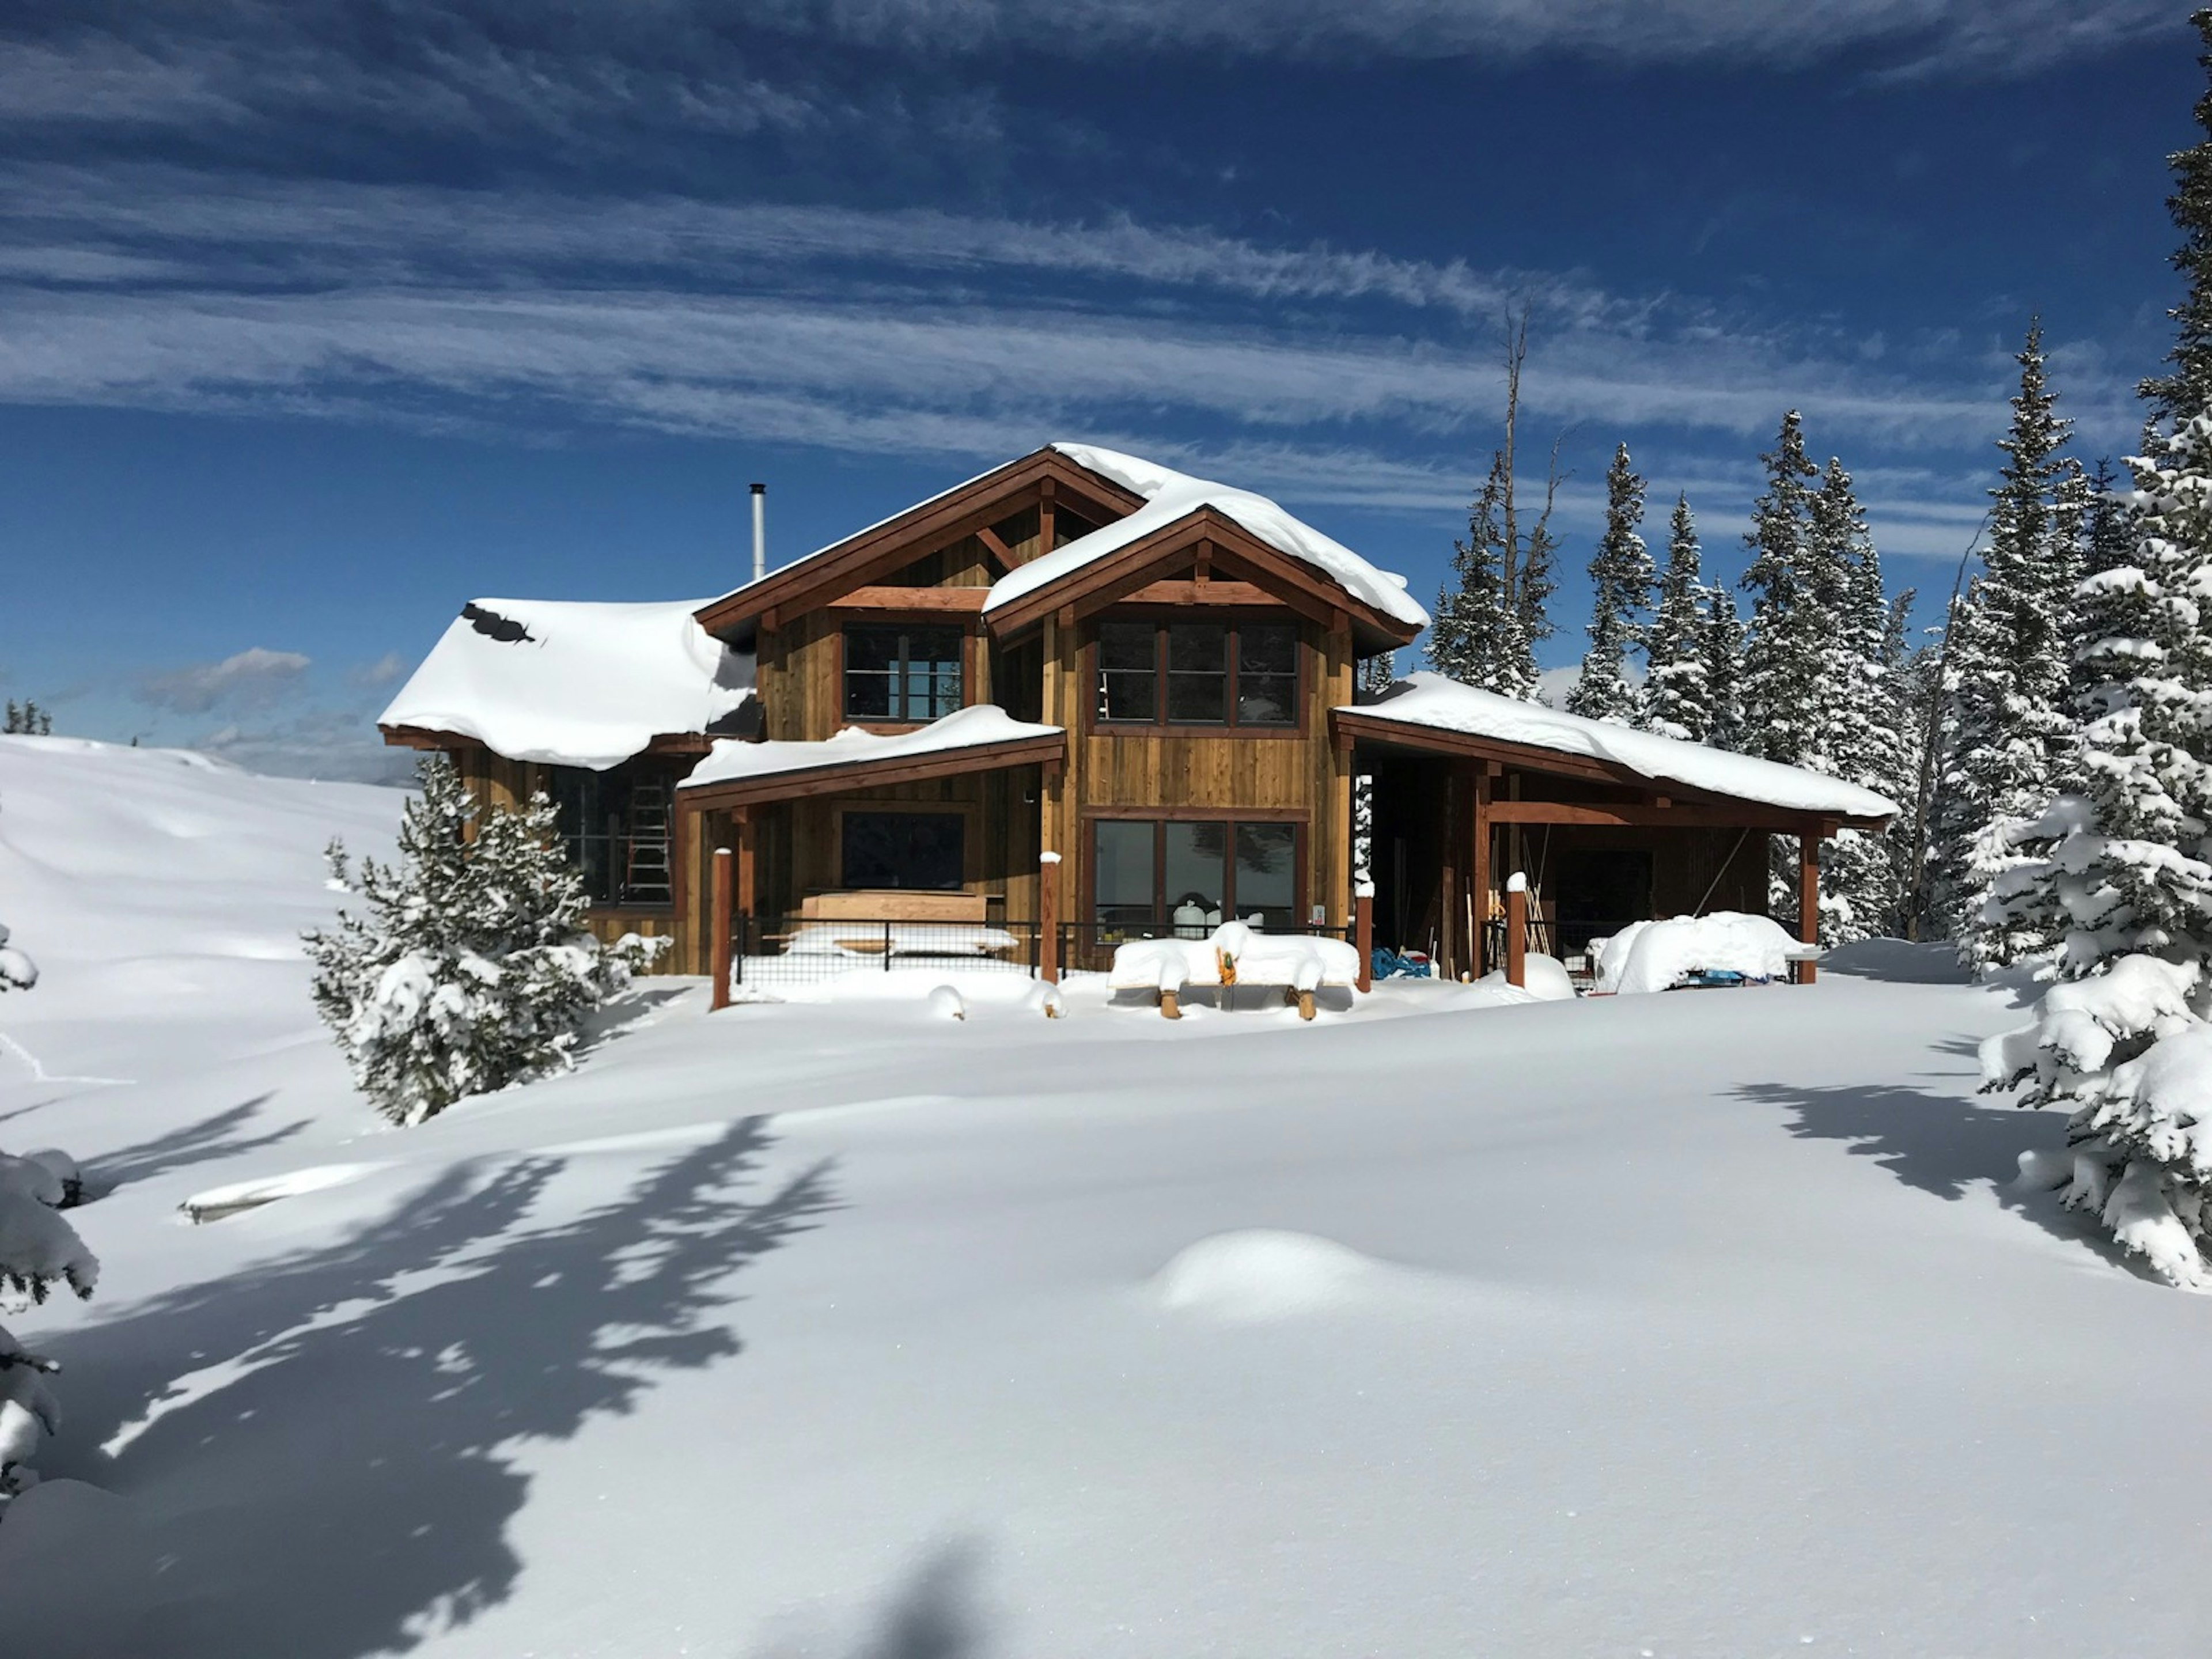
{"x": 38, "y": 1250}
{"x": 472, "y": 968}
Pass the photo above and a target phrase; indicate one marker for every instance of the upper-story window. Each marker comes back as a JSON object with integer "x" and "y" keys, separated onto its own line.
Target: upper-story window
{"x": 894, "y": 672}
{"x": 1197, "y": 674}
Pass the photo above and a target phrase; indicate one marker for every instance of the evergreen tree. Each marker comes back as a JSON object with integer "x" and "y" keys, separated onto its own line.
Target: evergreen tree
{"x": 1492, "y": 613}
{"x": 1676, "y": 702}
{"x": 38, "y": 1250}
{"x": 1784, "y": 648}
{"x": 2186, "y": 392}
{"x": 27, "y": 720}
{"x": 1722, "y": 640}
{"x": 472, "y": 968}
{"x": 2125, "y": 1044}
{"x": 2011, "y": 732}
{"x": 1377, "y": 674}
{"x": 1621, "y": 587}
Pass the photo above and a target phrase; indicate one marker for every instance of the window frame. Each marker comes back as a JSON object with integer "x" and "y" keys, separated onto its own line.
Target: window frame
{"x": 966, "y": 816}
{"x": 555, "y": 780}
{"x": 1233, "y": 622}
{"x": 922, "y": 622}
{"x": 1299, "y": 821}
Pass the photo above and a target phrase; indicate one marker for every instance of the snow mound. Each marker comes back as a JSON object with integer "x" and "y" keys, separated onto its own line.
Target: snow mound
{"x": 1543, "y": 978}
{"x": 1260, "y": 1275}
{"x": 1303, "y": 963}
{"x": 1658, "y": 955}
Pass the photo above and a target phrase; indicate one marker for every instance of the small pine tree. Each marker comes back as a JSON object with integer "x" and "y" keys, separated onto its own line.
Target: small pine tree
{"x": 1676, "y": 701}
{"x": 1621, "y": 587}
{"x": 38, "y": 1250}
{"x": 472, "y": 968}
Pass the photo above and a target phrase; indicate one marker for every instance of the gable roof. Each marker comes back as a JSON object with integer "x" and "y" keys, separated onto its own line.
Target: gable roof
{"x": 1141, "y": 497}
{"x": 572, "y": 684}
{"x": 1429, "y": 703}
{"x": 1169, "y": 496}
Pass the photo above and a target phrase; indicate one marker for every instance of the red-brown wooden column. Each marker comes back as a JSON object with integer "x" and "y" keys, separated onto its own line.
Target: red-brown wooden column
{"x": 717, "y": 924}
{"x": 1479, "y": 866}
{"x": 1048, "y": 917}
{"x": 1517, "y": 929}
{"x": 1808, "y": 897}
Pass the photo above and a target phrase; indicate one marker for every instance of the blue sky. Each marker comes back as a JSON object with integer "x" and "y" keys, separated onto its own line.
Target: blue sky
{"x": 316, "y": 319}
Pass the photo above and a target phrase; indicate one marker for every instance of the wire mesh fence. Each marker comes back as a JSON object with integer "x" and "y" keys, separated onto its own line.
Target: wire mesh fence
{"x": 771, "y": 955}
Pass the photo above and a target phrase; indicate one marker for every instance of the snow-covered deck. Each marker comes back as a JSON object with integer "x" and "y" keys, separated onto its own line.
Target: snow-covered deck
{"x": 973, "y": 740}
{"x": 1423, "y": 705}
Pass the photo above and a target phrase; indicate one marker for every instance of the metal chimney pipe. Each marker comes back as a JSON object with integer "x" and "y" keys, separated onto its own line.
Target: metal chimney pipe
{"x": 760, "y": 531}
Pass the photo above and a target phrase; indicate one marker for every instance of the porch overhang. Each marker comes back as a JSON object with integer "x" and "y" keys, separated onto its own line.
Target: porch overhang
{"x": 982, "y": 739}
{"x": 1665, "y": 803}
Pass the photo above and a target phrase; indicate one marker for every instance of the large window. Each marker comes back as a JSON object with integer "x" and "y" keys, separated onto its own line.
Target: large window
{"x": 1187, "y": 876}
{"x": 904, "y": 849}
{"x": 898, "y": 672}
{"x": 1197, "y": 674}
{"x": 614, "y": 826}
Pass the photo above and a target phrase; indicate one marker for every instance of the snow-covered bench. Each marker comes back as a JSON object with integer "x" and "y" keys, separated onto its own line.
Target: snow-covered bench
{"x": 1236, "y": 953}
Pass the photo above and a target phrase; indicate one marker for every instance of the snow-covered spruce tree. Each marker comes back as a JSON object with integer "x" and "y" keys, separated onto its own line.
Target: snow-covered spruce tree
{"x": 1493, "y": 612}
{"x": 1723, "y": 642}
{"x": 2124, "y": 1042}
{"x": 472, "y": 968}
{"x": 1784, "y": 647}
{"x": 39, "y": 1251}
{"x": 1857, "y": 710}
{"x": 2011, "y": 732}
{"x": 1620, "y": 588}
{"x": 2185, "y": 391}
{"x": 1676, "y": 701}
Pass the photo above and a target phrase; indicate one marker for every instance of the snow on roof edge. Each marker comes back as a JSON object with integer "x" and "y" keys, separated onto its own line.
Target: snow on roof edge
{"x": 1441, "y": 704}
{"x": 979, "y": 724}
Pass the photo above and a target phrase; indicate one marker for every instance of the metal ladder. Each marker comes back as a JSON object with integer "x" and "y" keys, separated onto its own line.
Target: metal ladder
{"x": 645, "y": 868}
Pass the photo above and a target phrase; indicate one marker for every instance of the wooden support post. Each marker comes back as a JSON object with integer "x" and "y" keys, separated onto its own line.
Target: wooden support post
{"x": 1169, "y": 1005}
{"x": 1808, "y": 898}
{"x": 1048, "y": 917}
{"x": 1517, "y": 929}
{"x": 1363, "y": 933}
{"x": 748, "y": 863}
{"x": 719, "y": 963}
{"x": 1305, "y": 1005}
{"x": 1479, "y": 866}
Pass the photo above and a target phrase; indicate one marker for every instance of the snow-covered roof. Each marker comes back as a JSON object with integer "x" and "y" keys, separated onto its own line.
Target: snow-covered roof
{"x": 1445, "y": 705}
{"x": 979, "y": 725}
{"x": 1169, "y": 496}
{"x": 573, "y": 684}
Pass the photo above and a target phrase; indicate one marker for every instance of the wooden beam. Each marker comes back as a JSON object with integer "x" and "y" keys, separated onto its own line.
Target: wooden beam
{"x": 837, "y": 778}
{"x": 1200, "y": 592}
{"x": 1001, "y": 554}
{"x": 965, "y": 601}
{"x": 1363, "y": 934}
{"x": 1048, "y": 917}
{"x": 1044, "y": 517}
{"x": 1634, "y": 815}
{"x": 748, "y": 841}
{"x": 1517, "y": 929}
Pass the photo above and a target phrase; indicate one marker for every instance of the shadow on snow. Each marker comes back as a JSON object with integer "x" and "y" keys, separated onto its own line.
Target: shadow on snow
{"x": 318, "y": 1456}
{"x": 211, "y": 1138}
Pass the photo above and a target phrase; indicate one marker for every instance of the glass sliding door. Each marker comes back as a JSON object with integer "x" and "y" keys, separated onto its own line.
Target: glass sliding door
{"x": 1184, "y": 877}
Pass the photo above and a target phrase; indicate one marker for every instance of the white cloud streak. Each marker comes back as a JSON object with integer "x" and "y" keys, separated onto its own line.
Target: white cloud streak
{"x": 252, "y": 678}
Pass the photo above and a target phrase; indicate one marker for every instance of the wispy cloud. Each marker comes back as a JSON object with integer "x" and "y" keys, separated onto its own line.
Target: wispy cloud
{"x": 252, "y": 678}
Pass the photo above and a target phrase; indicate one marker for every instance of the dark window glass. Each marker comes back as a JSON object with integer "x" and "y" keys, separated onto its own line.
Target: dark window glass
{"x": 1123, "y": 891}
{"x": 904, "y": 849}
{"x": 1128, "y": 678}
{"x": 1187, "y": 877}
{"x": 1266, "y": 674}
{"x": 1265, "y": 862}
{"x": 614, "y": 827}
{"x": 894, "y": 673}
{"x": 1198, "y": 674}
{"x": 1197, "y": 876}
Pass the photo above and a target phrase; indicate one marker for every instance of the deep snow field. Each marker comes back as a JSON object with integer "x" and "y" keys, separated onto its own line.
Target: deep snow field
{"x": 1696, "y": 1324}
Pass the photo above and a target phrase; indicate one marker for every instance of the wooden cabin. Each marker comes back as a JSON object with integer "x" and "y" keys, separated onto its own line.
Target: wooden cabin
{"x": 1087, "y": 688}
